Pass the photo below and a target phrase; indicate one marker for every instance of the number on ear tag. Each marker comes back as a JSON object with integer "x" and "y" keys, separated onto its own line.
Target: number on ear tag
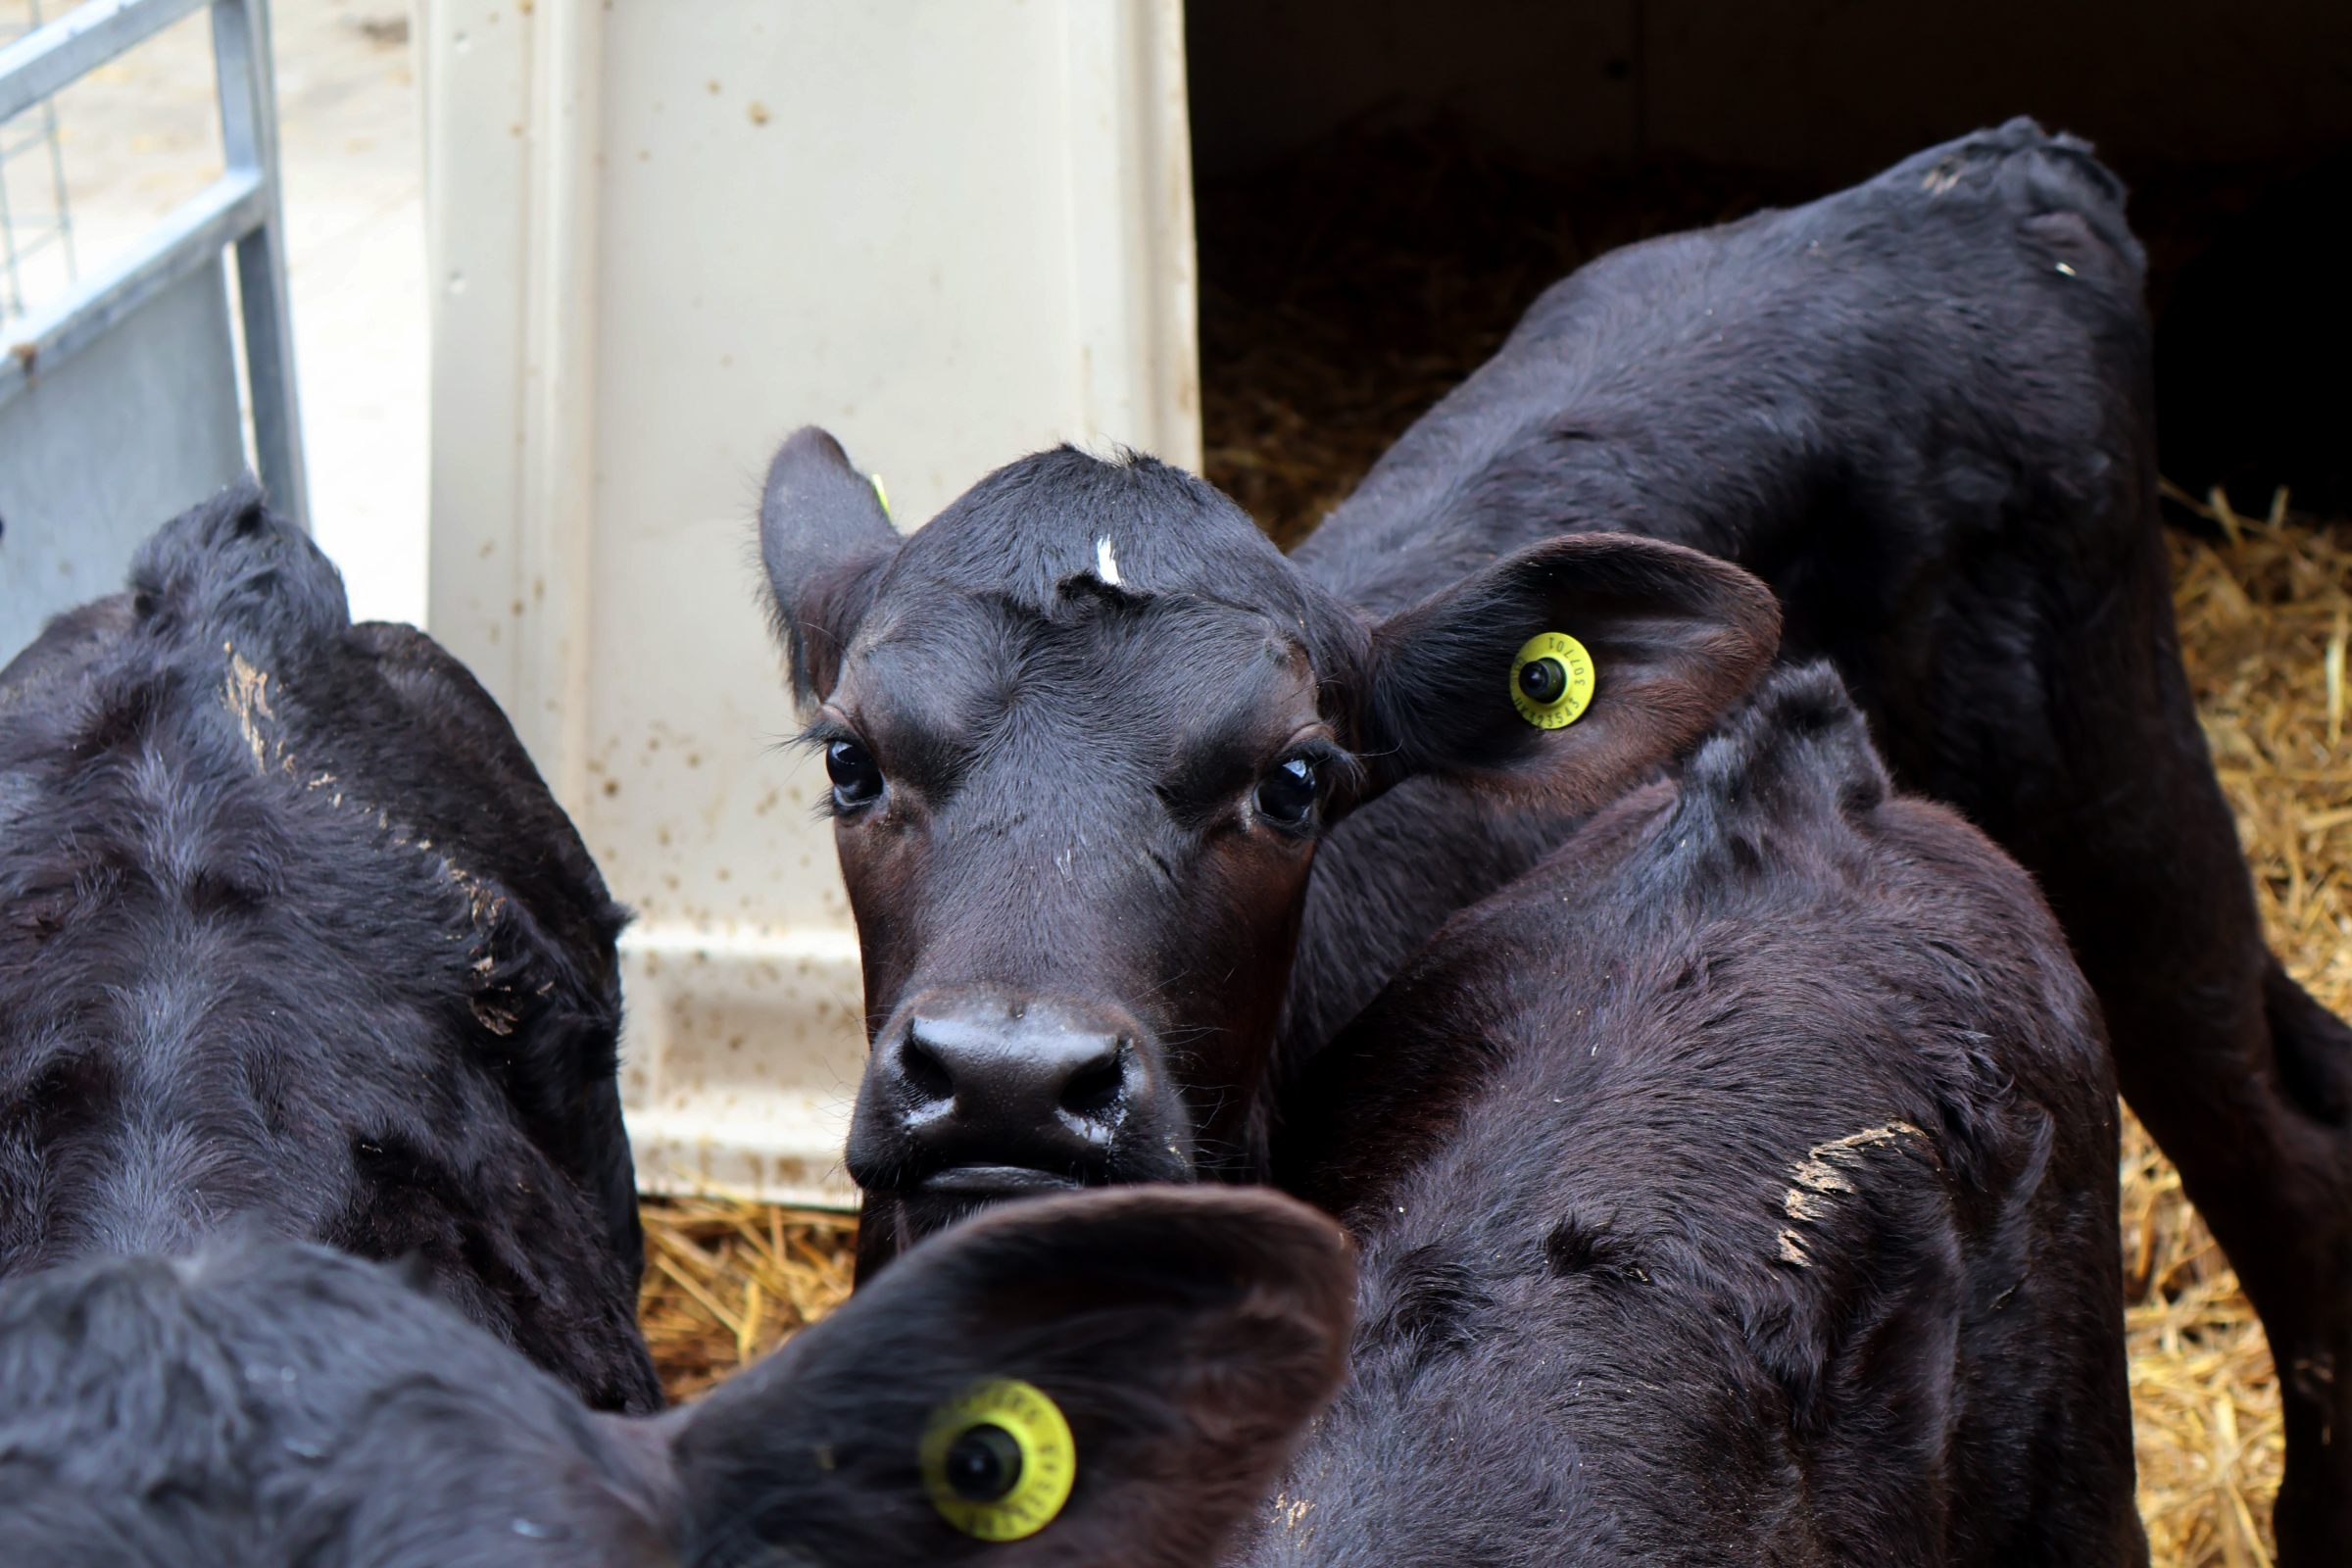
{"x": 1552, "y": 680}
{"x": 997, "y": 1460}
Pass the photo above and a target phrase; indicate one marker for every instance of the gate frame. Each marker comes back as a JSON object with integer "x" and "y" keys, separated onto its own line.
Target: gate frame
{"x": 241, "y": 209}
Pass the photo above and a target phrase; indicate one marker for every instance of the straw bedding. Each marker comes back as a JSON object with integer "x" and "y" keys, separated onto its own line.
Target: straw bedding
{"x": 1344, "y": 293}
{"x": 727, "y": 1279}
{"x": 2263, "y": 627}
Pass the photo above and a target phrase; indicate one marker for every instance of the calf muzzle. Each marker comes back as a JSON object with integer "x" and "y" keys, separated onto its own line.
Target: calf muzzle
{"x": 980, "y": 1092}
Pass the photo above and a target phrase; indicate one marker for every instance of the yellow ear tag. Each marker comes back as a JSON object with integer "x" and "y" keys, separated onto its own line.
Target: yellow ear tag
{"x": 997, "y": 1460}
{"x": 1552, "y": 680}
{"x": 880, "y": 494}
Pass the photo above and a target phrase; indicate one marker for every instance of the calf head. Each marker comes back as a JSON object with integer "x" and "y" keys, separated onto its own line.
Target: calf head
{"x": 291, "y": 933}
{"x": 1085, "y": 730}
{"x": 1095, "y": 1378}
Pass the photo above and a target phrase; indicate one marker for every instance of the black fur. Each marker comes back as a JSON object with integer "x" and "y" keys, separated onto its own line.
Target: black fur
{"x": 294, "y": 936}
{"x": 1737, "y": 1186}
{"x": 1921, "y": 409}
{"x": 269, "y": 1403}
{"x": 1074, "y": 915}
{"x": 1888, "y": 404}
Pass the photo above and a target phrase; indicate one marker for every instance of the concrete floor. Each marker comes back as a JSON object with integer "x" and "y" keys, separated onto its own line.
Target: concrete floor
{"x": 140, "y": 135}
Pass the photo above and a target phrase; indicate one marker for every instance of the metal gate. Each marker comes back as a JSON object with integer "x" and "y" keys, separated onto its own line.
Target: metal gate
{"x": 120, "y": 399}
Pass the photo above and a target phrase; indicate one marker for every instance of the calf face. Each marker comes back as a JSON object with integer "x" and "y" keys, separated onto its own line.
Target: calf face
{"x": 1085, "y": 731}
{"x": 294, "y": 934}
{"x": 277, "y": 1404}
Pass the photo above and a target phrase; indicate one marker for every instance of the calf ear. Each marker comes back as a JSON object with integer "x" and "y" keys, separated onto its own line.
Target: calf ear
{"x": 1184, "y": 1336}
{"x": 824, "y": 538}
{"x": 1674, "y": 637}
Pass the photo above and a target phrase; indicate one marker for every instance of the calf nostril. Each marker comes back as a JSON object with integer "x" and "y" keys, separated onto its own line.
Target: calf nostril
{"x": 925, "y": 1074}
{"x": 1094, "y": 1089}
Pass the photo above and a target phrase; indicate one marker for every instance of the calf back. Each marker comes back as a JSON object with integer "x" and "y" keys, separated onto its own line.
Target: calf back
{"x": 1919, "y": 409}
{"x": 1737, "y": 1186}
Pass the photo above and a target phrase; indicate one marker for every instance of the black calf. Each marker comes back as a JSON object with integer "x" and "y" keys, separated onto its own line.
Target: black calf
{"x": 1920, "y": 408}
{"x": 273, "y": 1404}
{"x": 1737, "y": 1186}
{"x": 295, "y": 936}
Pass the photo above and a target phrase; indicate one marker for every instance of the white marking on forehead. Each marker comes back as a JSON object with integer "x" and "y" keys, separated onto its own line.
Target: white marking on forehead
{"x": 1107, "y": 565}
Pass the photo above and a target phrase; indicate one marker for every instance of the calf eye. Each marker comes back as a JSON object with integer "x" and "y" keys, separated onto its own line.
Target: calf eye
{"x": 856, "y": 778}
{"x": 1288, "y": 793}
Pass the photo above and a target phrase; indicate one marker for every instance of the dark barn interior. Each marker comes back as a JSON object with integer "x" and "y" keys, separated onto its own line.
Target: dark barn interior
{"x": 1383, "y": 185}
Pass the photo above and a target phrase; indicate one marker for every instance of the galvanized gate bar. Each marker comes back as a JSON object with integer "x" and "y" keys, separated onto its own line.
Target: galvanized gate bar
{"x": 53, "y": 57}
{"x": 241, "y": 209}
{"x": 227, "y": 210}
{"x": 249, "y": 138}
